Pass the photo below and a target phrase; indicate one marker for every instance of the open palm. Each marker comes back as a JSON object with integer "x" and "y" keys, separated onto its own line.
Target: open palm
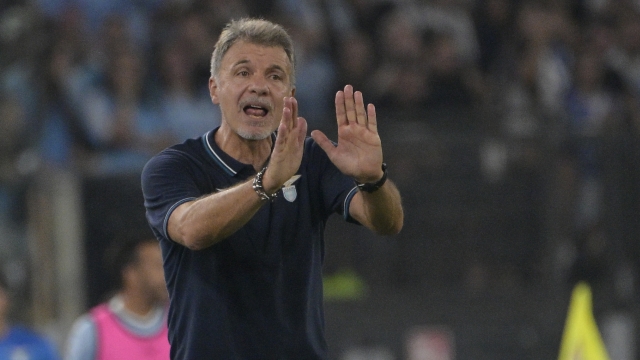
{"x": 359, "y": 151}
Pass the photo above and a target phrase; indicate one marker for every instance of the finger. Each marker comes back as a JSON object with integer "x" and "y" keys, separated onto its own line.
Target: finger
{"x": 349, "y": 104}
{"x": 294, "y": 108}
{"x": 361, "y": 115}
{"x": 323, "y": 141}
{"x": 292, "y": 104}
{"x": 341, "y": 114}
{"x": 302, "y": 130}
{"x": 286, "y": 121}
{"x": 372, "y": 120}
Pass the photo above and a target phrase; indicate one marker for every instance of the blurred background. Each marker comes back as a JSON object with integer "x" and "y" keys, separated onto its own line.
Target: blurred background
{"x": 511, "y": 127}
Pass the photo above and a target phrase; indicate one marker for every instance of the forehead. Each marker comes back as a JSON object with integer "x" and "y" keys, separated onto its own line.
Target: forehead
{"x": 244, "y": 52}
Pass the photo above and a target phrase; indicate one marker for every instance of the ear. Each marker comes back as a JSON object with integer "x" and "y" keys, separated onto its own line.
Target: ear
{"x": 213, "y": 91}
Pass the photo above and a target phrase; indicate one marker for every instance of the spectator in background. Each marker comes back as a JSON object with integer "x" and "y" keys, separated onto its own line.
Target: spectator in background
{"x": 451, "y": 17}
{"x": 493, "y": 25}
{"x": 400, "y": 80}
{"x": 133, "y": 323}
{"x": 624, "y": 57}
{"x": 62, "y": 137}
{"x": 315, "y": 73}
{"x": 549, "y": 35}
{"x": 516, "y": 99}
{"x": 355, "y": 57}
{"x": 121, "y": 119}
{"x": 454, "y": 83}
{"x": 17, "y": 163}
{"x": 22, "y": 38}
{"x": 186, "y": 107}
{"x": 13, "y": 131}
{"x": 357, "y": 15}
{"x": 592, "y": 113}
{"x": 196, "y": 30}
{"x": 17, "y": 341}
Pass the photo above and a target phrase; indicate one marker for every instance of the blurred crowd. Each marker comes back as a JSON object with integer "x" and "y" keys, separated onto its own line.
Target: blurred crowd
{"x": 99, "y": 86}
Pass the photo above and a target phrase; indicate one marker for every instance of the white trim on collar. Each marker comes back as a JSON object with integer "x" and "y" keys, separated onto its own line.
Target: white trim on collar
{"x": 206, "y": 138}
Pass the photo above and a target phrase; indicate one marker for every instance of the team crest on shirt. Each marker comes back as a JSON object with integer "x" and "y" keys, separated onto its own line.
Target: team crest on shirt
{"x": 289, "y": 190}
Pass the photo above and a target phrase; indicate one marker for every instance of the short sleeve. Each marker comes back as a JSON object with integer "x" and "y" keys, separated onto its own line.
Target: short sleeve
{"x": 337, "y": 188}
{"x": 167, "y": 181}
{"x": 81, "y": 343}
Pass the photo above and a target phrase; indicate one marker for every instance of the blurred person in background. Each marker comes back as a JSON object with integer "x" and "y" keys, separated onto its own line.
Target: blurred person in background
{"x": 132, "y": 324}
{"x": 244, "y": 265}
{"x": 344, "y": 16}
{"x": 355, "y": 58}
{"x": 196, "y": 30}
{"x": 549, "y": 36}
{"x": 315, "y": 71}
{"x": 400, "y": 80}
{"x": 454, "y": 83}
{"x": 451, "y": 17}
{"x": 18, "y": 342}
{"x": 13, "y": 131}
{"x": 593, "y": 115}
{"x": 17, "y": 163}
{"x": 624, "y": 56}
{"x": 185, "y": 106}
{"x": 121, "y": 119}
{"x": 493, "y": 23}
{"x": 62, "y": 137}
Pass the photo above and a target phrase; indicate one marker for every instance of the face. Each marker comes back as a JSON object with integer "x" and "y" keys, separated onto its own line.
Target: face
{"x": 149, "y": 272}
{"x": 250, "y": 87}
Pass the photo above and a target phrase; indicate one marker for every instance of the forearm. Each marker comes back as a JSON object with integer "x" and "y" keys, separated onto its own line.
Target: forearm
{"x": 380, "y": 211}
{"x": 210, "y": 219}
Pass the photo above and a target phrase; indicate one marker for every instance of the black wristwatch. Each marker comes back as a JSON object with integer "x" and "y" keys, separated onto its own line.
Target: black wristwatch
{"x": 371, "y": 187}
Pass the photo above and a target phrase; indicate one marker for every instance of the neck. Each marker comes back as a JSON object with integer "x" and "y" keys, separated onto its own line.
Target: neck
{"x": 137, "y": 304}
{"x": 254, "y": 152}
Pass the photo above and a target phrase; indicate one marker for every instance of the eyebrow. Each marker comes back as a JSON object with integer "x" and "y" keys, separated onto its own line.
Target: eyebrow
{"x": 241, "y": 62}
{"x": 270, "y": 68}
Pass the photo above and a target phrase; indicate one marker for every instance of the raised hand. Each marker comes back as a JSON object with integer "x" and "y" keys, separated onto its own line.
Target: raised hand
{"x": 287, "y": 151}
{"x": 359, "y": 150}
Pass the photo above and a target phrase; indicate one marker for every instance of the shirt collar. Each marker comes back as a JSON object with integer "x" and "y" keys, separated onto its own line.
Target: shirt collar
{"x": 230, "y": 165}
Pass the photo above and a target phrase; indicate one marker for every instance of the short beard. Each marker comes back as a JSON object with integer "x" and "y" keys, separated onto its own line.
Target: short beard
{"x": 253, "y": 136}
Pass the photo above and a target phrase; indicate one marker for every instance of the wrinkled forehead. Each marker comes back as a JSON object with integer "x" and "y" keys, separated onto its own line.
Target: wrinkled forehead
{"x": 244, "y": 52}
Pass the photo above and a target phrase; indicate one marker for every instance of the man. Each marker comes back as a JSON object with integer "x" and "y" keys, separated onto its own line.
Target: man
{"x": 240, "y": 212}
{"x": 132, "y": 324}
{"x": 17, "y": 341}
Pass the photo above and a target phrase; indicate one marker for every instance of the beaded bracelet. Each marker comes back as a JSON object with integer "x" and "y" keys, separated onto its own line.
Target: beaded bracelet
{"x": 257, "y": 186}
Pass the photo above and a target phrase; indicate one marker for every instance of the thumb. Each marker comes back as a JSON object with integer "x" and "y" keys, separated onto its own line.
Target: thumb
{"x": 323, "y": 141}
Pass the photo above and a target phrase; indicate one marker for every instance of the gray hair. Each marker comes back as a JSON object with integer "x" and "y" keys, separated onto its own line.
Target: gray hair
{"x": 254, "y": 31}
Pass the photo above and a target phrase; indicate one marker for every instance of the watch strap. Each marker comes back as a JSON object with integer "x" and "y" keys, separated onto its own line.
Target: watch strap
{"x": 371, "y": 187}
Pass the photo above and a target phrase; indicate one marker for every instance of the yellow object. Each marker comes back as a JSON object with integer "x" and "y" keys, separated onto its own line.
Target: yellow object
{"x": 581, "y": 339}
{"x": 344, "y": 285}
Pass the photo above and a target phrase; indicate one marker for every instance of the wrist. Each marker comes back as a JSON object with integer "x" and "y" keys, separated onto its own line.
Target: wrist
{"x": 259, "y": 188}
{"x": 375, "y": 185}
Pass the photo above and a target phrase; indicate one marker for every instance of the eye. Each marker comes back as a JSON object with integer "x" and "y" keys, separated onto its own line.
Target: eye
{"x": 243, "y": 73}
{"x": 276, "y": 77}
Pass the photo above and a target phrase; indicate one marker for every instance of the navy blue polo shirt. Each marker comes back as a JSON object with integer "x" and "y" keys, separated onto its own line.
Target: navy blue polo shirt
{"x": 258, "y": 293}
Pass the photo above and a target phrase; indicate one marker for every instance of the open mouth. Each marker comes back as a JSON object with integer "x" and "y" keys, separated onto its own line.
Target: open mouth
{"x": 256, "y": 111}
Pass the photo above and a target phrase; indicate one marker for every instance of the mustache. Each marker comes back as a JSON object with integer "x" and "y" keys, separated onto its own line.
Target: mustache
{"x": 255, "y": 101}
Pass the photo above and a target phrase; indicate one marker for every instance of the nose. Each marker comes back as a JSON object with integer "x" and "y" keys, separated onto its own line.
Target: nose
{"x": 259, "y": 86}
